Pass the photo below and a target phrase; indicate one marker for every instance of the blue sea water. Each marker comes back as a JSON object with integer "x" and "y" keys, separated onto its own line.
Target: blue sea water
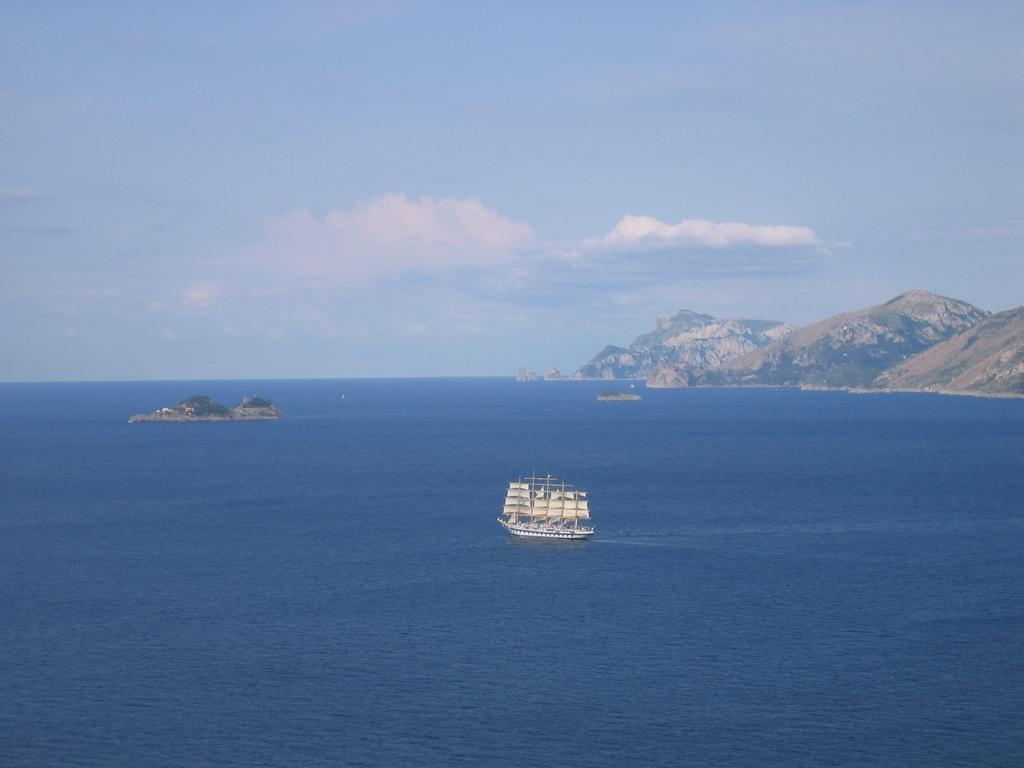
{"x": 779, "y": 578}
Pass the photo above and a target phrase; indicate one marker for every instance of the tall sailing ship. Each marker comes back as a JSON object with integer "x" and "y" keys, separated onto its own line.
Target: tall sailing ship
{"x": 545, "y": 508}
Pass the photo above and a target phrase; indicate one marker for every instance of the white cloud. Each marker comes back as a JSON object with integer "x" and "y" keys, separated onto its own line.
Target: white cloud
{"x": 18, "y": 194}
{"x": 634, "y": 233}
{"x": 202, "y": 295}
{"x": 392, "y": 235}
{"x": 408, "y": 266}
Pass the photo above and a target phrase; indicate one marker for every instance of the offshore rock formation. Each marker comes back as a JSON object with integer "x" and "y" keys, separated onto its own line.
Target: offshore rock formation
{"x": 851, "y": 349}
{"x": 987, "y": 358}
{"x": 687, "y": 340}
{"x": 618, "y": 396}
{"x": 551, "y": 374}
{"x": 202, "y": 408}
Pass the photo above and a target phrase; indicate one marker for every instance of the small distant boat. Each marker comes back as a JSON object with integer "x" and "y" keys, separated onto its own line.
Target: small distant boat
{"x": 545, "y": 508}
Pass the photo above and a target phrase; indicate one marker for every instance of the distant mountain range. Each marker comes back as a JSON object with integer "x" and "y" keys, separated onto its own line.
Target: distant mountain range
{"x": 987, "y": 358}
{"x": 854, "y": 348}
{"x": 917, "y": 341}
{"x": 687, "y": 339}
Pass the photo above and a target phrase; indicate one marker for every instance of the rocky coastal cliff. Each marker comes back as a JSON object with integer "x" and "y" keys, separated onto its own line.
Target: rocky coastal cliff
{"x": 917, "y": 341}
{"x": 685, "y": 340}
{"x": 854, "y": 348}
{"x": 666, "y": 376}
{"x": 987, "y": 358}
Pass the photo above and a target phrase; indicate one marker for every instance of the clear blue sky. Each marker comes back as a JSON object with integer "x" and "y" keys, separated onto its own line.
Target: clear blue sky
{"x": 194, "y": 190}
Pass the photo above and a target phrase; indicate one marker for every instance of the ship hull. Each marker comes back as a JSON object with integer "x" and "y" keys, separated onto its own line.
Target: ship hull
{"x": 532, "y": 532}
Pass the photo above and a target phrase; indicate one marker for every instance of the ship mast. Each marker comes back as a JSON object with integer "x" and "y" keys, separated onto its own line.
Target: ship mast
{"x": 516, "y": 499}
{"x": 546, "y": 502}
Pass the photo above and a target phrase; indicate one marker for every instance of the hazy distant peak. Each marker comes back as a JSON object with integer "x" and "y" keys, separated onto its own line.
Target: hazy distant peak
{"x": 988, "y": 357}
{"x": 846, "y": 350}
{"x": 915, "y": 294}
{"x": 683, "y": 316}
{"x": 922, "y": 298}
{"x": 851, "y": 349}
{"x": 687, "y": 338}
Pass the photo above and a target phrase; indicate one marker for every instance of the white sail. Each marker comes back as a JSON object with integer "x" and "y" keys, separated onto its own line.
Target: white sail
{"x": 561, "y": 509}
{"x": 546, "y": 507}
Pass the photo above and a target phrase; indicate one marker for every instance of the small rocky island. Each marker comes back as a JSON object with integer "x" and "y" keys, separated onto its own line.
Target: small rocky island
{"x": 618, "y": 396}
{"x": 202, "y": 408}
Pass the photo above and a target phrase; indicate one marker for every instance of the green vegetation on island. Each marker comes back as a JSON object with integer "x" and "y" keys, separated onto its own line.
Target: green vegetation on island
{"x": 256, "y": 402}
{"x": 201, "y": 405}
{"x": 202, "y": 408}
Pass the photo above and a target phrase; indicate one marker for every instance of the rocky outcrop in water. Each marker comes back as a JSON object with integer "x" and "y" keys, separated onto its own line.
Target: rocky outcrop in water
{"x": 202, "y": 408}
{"x": 618, "y": 396}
